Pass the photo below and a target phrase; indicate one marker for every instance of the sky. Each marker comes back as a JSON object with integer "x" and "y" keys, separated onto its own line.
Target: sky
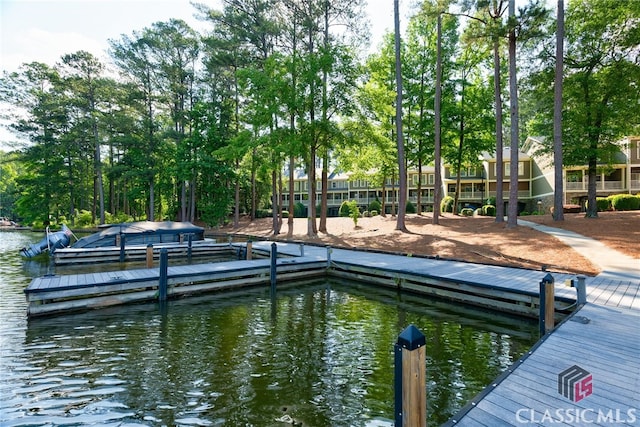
{"x": 44, "y": 30}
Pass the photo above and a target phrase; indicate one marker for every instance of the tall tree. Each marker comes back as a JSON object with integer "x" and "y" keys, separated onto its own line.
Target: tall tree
{"x": 84, "y": 73}
{"x": 488, "y": 22}
{"x": 512, "y": 212}
{"x": 558, "y": 188}
{"x": 600, "y": 94}
{"x": 132, "y": 55}
{"x": 437, "y": 197}
{"x": 402, "y": 202}
{"x": 174, "y": 51}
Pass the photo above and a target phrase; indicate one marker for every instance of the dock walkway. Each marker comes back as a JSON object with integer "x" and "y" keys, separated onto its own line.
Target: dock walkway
{"x": 587, "y": 371}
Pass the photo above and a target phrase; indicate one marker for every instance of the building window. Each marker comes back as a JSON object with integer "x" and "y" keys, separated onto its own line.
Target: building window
{"x": 507, "y": 168}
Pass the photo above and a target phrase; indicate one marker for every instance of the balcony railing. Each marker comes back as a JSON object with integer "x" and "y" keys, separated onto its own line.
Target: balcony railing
{"x": 469, "y": 195}
{"x": 423, "y": 199}
{"x": 600, "y": 186}
{"x": 505, "y": 194}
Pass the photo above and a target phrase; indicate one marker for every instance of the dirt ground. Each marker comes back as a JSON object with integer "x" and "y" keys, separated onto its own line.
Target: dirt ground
{"x": 471, "y": 239}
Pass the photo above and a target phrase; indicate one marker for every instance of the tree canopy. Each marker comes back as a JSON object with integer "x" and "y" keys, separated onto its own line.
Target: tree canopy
{"x": 204, "y": 127}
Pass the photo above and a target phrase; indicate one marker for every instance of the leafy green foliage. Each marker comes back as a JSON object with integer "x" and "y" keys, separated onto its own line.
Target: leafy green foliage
{"x": 374, "y": 205}
{"x": 345, "y": 209}
{"x": 489, "y": 210}
{"x": 446, "y": 205}
{"x": 625, "y": 202}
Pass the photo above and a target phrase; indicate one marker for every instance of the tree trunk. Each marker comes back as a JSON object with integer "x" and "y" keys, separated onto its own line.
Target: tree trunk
{"x": 512, "y": 214}
{"x": 292, "y": 175}
{"x": 402, "y": 202}
{"x": 274, "y": 202}
{"x": 592, "y": 208}
{"x": 499, "y": 143}
{"x": 437, "y": 156}
{"x": 558, "y": 195}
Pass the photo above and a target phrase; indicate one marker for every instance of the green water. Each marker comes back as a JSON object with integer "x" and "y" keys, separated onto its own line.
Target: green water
{"x": 320, "y": 354}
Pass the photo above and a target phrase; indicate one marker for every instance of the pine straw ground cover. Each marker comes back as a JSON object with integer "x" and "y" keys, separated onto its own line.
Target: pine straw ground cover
{"x": 471, "y": 239}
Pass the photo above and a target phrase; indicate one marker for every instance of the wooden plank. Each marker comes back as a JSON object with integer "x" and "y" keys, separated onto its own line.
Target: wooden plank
{"x": 607, "y": 347}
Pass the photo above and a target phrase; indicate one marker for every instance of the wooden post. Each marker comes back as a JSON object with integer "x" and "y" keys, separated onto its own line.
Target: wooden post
{"x": 301, "y": 249}
{"x": 150, "y": 255}
{"x": 274, "y": 256}
{"x": 547, "y": 304}
{"x": 164, "y": 270}
{"x": 581, "y": 289}
{"x": 189, "y": 246}
{"x": 122, "y": 244}
{"x": 249, "y": 249}
{"x": 329, "y": 251}
{"x": 410, "y": 379}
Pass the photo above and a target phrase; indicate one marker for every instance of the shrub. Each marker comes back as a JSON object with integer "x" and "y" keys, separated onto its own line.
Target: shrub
{"x": 625, "y": 202}
{"x": 524, "y": 213}
{"x": 489, "y": 210}
{"x": 344, "y": 210}
{"x": 411, "y": 208}
{"x": 603, "y": 204}
{"x": 263, "y": 213}
{"x": 298, "y": 210}
{"x": 374, "y": 213}
{"x": 84, "y": 219}
{"x": 446, "y": 205}
{"x": 375, "y": 205}
{"x": 285, "y": 214}
{"x": 354, "y": 211}
{"x": 466, "y": 212}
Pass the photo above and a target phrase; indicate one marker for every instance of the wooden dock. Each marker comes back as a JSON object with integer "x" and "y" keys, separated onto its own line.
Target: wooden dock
{"x": 111, "y": 254}
{"x": 505, "y": 289}
{"x": 604, "y": 342}
{"x": 585, "y": 372}
{"x": 62, "y": 294}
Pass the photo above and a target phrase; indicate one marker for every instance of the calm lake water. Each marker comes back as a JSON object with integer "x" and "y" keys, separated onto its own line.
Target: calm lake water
{"x": 321, "y": 354}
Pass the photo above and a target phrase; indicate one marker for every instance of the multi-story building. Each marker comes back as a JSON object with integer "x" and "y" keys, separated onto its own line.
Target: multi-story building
{"x": 622, "y": 175}
{"x": 478, "y": 183}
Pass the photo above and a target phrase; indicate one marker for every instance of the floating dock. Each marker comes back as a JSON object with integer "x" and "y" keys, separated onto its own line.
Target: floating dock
{"x": 506, "y": 289}
{"x": 110, "y": 254}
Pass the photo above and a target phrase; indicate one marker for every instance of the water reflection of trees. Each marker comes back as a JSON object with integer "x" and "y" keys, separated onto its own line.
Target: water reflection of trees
{"x": 322, "y": 355}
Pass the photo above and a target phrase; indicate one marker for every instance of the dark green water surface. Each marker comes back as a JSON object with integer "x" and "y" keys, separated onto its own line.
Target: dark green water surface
{"x": 320, "y": 354}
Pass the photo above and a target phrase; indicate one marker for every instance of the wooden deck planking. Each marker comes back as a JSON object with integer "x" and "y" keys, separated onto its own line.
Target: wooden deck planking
{"x": 607, "y": 347}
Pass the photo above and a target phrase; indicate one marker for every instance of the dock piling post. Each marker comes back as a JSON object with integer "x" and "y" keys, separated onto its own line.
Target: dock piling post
{"x": 189, "y": 246}
{"x": 581, "y": 289}
{"x": 547, "y": 304}
{"x": 122, "y": 244}
{"x": 274, "y": 256}
{"x": 329, "y": 251}
{"x": 150, "y": 255}
{"x": 301, "y": 249}
{"x": 249, "y": 250}
{"x": 164, "y": 269}
{"x": 410, "y": 378}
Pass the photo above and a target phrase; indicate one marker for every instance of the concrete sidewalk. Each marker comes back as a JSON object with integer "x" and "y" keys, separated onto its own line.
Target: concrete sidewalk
{"x": 614, "y": 265}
